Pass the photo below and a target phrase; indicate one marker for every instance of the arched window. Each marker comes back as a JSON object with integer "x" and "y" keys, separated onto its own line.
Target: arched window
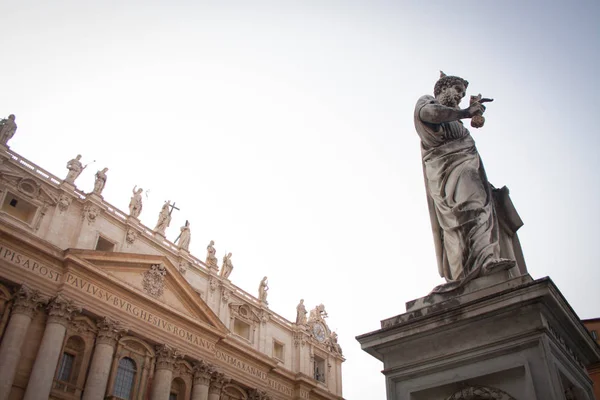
{"x": 125, "y": 378}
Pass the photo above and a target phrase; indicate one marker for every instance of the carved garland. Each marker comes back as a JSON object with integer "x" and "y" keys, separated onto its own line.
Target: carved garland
{"x": 475, "y": 392}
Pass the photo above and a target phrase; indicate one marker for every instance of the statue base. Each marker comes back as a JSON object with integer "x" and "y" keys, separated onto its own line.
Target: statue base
{"x": 497, "y": 338}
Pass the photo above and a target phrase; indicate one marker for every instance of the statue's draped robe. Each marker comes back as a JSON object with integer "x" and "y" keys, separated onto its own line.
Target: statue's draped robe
{"x": 459, "y": 196}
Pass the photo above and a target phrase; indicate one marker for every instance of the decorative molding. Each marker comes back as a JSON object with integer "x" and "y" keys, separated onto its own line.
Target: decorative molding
{"x": 131, "y": 236}
{"x": 213, "y": 283}
{"x": 183, "y": 266}
{"x": 90, "y": 213}
{"x": 166, "y": 357}
{"x": 109, "y": 331}
{"x": 475, "y": 392}
{"x": 257, "y": 394}
{"x": 64, "y": 202}
{"x": 61, "y": 310}
{"x": 29, "y": 187}
{"x": 217, "y": 381}
{"x": 27, "y": 301}
{"x": 563, "y": 343}
{"x": 225, "y": 295}
{"x": 154, "y": 280}
{"x": 203, "y": 372}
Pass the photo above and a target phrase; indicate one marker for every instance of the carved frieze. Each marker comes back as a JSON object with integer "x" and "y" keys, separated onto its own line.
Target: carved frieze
{"x": 154, "y": 280}
{"x": 29, "y": 187}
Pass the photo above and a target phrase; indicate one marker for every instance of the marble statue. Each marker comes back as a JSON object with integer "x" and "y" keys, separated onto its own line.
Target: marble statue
{"x": 8, "y": 127}
{"x": 301, "y": 313}
{"x": 227, "y": 266}
{"x": 263, "y": 287}
{"x": 135, "y": 204}
{"x": 75, "y": 169}
{"x": 459, "y": 195}
{"x": 333, "y": 344}
{"x": 185, "y": 237}
{"x": 318, "y": 313}
{"x": 100, "y": 181}
{"x": 211, "y": 259}
{"x": 164, "y": 219}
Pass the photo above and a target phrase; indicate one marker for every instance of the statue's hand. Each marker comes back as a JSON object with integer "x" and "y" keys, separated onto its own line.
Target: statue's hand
{"x": 475, "y": 109}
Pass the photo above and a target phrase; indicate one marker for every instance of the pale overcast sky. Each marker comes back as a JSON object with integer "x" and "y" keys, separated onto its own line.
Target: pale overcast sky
{"x": 284, "y": 131}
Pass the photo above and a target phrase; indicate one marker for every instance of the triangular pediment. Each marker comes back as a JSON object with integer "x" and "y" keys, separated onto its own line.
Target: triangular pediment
{"x": 26, "y": 185}
{"x": 156, "y": 279}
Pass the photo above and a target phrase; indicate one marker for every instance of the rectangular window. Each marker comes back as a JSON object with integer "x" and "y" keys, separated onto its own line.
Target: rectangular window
{"x": 19, "y": 208}
{"x": 173, "y": 396}
{"x": 278, "y": 350}
{"x": 319, "y": 369}
{"x": 241, "y": 328}
{"x": 66, "y": 366}
{"x": 104, "y": 245}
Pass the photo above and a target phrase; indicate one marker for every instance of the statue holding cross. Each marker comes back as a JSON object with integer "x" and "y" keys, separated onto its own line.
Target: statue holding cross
{"x": 164, "y": 217}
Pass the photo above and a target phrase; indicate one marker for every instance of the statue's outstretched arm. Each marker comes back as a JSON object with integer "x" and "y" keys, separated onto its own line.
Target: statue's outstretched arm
{"x": 438, "y": 114}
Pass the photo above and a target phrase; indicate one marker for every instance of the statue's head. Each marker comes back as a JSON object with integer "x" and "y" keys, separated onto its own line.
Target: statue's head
{"x": 449, "y": 90}
{"x": 212, "y": 243}
{"x": 11, "y": 117}
{"x": 78, "y": 157}
{"x": 105, "y": 170}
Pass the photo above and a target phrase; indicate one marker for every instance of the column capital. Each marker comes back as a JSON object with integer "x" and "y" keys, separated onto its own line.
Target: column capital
{"x": 257, "y": 394}
{"x": 166, "y": 356}
{"x": 61, "y": 310}
{"x": 217, "y": 381}
{"x": 203, "y": 372}
{"x": 27, "y": 301}
{"x": 109, "y": 331}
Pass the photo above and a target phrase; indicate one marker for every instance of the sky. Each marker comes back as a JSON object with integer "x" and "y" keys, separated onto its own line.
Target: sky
{"x": 284, "y": 132}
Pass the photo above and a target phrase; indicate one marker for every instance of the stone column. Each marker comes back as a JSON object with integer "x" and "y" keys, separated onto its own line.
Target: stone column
{"x": 217, "y": 381}
{"x": 166, "y": 357}
{"x": 202, "y": 374}
{"x": 109, "y": 332}
{"x": 60, "y": 312}
{"x": 26, "y": 303}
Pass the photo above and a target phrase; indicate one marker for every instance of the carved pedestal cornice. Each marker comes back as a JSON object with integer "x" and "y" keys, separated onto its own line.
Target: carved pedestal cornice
{"x": 203, "y": 372}
{"x": 109, "y": 331}
{"x": 61, "y": 310}
{"x": 217, "y": 381}
{"x": 27, "y": 301}
{"x": 166, "y": 356}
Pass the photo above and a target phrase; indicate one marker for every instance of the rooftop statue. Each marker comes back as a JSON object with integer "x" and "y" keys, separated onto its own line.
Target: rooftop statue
{"x": 135, "y": 204}
{"x": 185, "y": 237}
{"x": 211, "y": 259}
{"x": 100, "y": 181}
{"x": 75, "y": 169}
{"x": 459, "y": 196}
{"x": 8, "y": 127}
{"x": 227, "y": 266}
{"x": 301, "y": 313}
{"x": 164, "y": 219}
{"x": 263, "y": 287}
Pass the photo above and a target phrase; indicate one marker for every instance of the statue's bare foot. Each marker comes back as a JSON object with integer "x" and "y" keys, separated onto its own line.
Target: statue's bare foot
{"x": 501, "y": 264}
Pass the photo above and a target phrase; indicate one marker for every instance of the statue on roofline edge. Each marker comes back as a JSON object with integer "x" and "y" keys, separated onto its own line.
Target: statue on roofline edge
{"x": 464, "y": 207}
{"x": 8, "y": 127}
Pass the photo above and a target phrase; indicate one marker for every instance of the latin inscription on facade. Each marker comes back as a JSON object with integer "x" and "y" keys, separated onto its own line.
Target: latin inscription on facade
{"x": 22, "y": 261}
{"x": 136, "y": 311}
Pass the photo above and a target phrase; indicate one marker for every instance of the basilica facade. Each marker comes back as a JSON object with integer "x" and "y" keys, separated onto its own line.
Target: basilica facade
{"x": 95, "y": 305}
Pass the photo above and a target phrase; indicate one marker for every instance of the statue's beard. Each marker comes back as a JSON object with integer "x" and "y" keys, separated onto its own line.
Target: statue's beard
{"x": 449, "y": 100}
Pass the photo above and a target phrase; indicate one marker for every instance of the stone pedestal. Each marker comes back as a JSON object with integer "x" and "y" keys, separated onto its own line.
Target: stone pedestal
{"x": 497, "y": 338}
